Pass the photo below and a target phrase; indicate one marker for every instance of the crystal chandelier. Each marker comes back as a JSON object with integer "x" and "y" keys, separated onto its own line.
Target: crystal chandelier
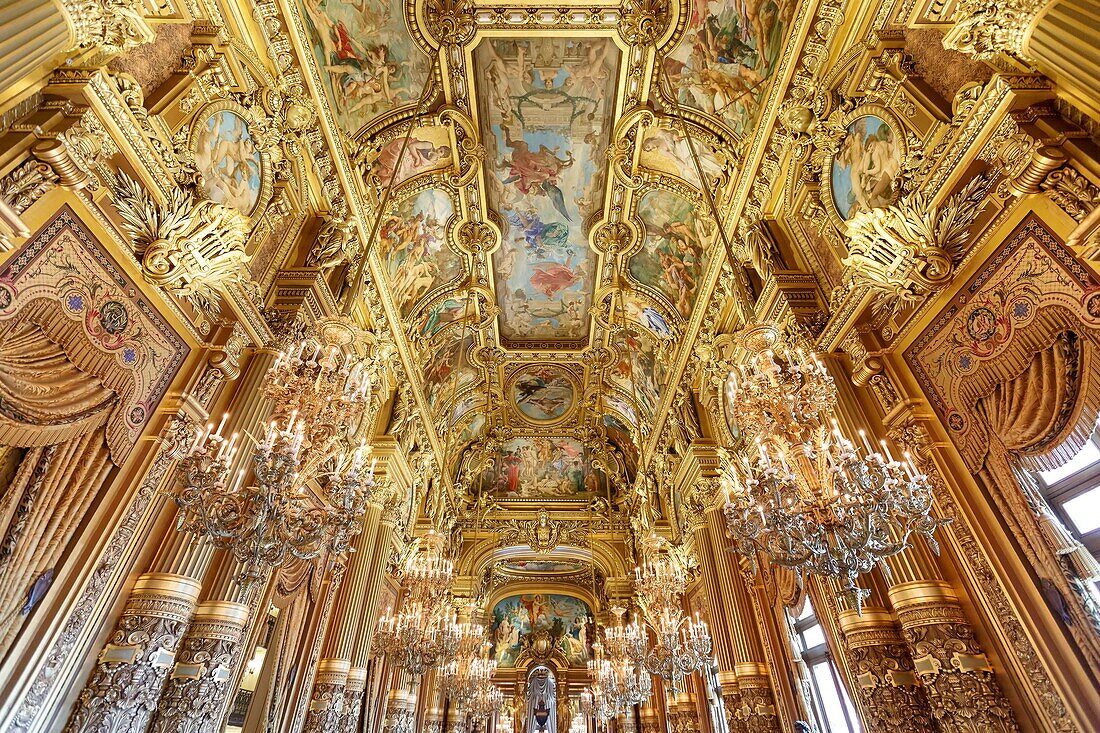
{"x": 486, "y": 701}
{"x": 811, "y": 500}
{"x": 471, "y": 669}
{"x": 682, "y": 644}
{"x": 418, "y": 637}
{"x": 307, "y": 491}
{"x": 425, "y": 633}
{"x": 596, "y": 703}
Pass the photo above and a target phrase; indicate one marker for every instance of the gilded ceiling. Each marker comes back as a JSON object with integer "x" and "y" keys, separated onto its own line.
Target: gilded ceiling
{"x": 531, "y": 177}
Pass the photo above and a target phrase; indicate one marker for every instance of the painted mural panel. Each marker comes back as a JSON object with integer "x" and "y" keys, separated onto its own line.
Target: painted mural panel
{"x": 566, "y": 619}
{"x": 413, "y": 244}
{"x": 542, "y": 468}
{"x": 448, "y": 370}
{"x": 637, "y": 370}
{"x": 669, "y": 152}
{"x": 367, "y": 59}
{"x": 671, "y": 259}
{"x": 439, "y": 315}
{"x": 547, "y": 105}
{"x": 865, "y": 167}
{"x": 543, "y": 393}
{"x": 728, "y": 55}
{"x": 428, "y": 149}
{"x": 230, "y": 164}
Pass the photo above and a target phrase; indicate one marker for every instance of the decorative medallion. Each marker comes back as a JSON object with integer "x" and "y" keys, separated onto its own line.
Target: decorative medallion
{"x": 228, "y": 159}
{"x": 863, "y": 172}
{"x": 543, "y": 394}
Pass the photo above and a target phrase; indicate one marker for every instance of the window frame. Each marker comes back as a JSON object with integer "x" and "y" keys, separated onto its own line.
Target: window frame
{"x": 815, "y": 656}
{"x": 1057, "y": 493}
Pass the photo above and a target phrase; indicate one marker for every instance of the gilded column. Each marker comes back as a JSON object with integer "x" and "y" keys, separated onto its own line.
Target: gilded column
{"x": 122, "y": 692}
{"x": 336, "y": 705}
{"x": 957, "y": 676}
{"x": 197, "y": 693}
{"x": 722, "y": 632}
{"x": 326, "y": 708}
{"x": 891, "y": 697}
{"x": 380, "y": 529}
{"x": 756, "y": 709}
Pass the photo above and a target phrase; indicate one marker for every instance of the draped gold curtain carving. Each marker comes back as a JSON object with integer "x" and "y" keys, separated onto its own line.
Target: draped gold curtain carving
{"x": 1035, "y": 421}
{"x": 58, "y": 413}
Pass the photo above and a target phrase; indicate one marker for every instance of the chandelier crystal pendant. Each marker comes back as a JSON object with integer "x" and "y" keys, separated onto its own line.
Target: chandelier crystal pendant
{"x": 471, "y": 669}
{"x": 486, "y": 701}
{"x": 307, "y": 491}
{"x": 811, "y": 500}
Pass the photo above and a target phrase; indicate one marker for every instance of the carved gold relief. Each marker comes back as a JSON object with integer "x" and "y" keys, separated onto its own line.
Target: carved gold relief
{"x": 191, "y": 247}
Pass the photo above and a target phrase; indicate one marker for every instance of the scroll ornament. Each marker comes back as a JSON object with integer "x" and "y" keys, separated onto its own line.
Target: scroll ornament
{"x": 189, "y": 246}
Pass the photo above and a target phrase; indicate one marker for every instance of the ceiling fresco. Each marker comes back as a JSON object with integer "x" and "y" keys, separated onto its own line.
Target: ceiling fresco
{"x": 542, "y": 468}
{"x": 413, "y": 243}
{"x": 547, "y": 105}
{"x": 367, "y": 60}
{"x": 549, "y": 169}
{"x": 727, "y": 56}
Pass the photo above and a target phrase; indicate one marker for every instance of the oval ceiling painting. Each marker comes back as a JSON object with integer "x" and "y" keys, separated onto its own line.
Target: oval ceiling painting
{"x": 543, "y": 394}
{"x": 229, "y": 161}
{"x": 865, "y": 167}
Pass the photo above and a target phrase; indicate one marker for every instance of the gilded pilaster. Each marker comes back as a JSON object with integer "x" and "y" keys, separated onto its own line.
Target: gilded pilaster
{"x": 121, "y": 694}
{"x": 956, "y": 674}
{"x": 892, "y": 699}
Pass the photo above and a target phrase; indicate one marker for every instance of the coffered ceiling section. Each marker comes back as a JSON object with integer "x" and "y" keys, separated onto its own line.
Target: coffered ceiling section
{"x": 547, "y": 247}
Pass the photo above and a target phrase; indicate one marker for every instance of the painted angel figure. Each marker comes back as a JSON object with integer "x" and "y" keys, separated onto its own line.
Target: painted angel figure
{"x": 536, "y": 173}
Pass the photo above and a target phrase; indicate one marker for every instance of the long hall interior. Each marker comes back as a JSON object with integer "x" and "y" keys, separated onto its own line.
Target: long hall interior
{"x": 505, "y": 366}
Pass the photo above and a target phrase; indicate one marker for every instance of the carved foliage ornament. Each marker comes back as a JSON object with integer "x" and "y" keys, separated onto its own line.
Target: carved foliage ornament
{"x": 910, "y": 249}
{"x": 111, "y": 26}
{"x": 543, "y": 534}
{"x": 985, "y": 28}
{"x": 188, "y": 246}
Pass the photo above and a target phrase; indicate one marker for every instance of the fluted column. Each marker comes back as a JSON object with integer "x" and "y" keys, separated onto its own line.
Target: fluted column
{"x": 197, "y": 693}
{"x": 326, "y": 708}
{"x": 718, "y": 616}
{"x": 891, "y": 697}
{"x": 756, "y": 711}
{"x": 380, "y": 530}
{"x": 122, "y": 692}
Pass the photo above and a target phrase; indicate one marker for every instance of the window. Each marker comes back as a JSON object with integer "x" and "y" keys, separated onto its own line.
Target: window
{"x": 1073, "y": 491}
{"x": 715, "y": 706}
{"x": 832, "y": 707}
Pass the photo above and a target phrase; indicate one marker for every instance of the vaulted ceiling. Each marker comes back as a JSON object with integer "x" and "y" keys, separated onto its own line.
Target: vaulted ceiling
{"x": 530, "y": 181}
